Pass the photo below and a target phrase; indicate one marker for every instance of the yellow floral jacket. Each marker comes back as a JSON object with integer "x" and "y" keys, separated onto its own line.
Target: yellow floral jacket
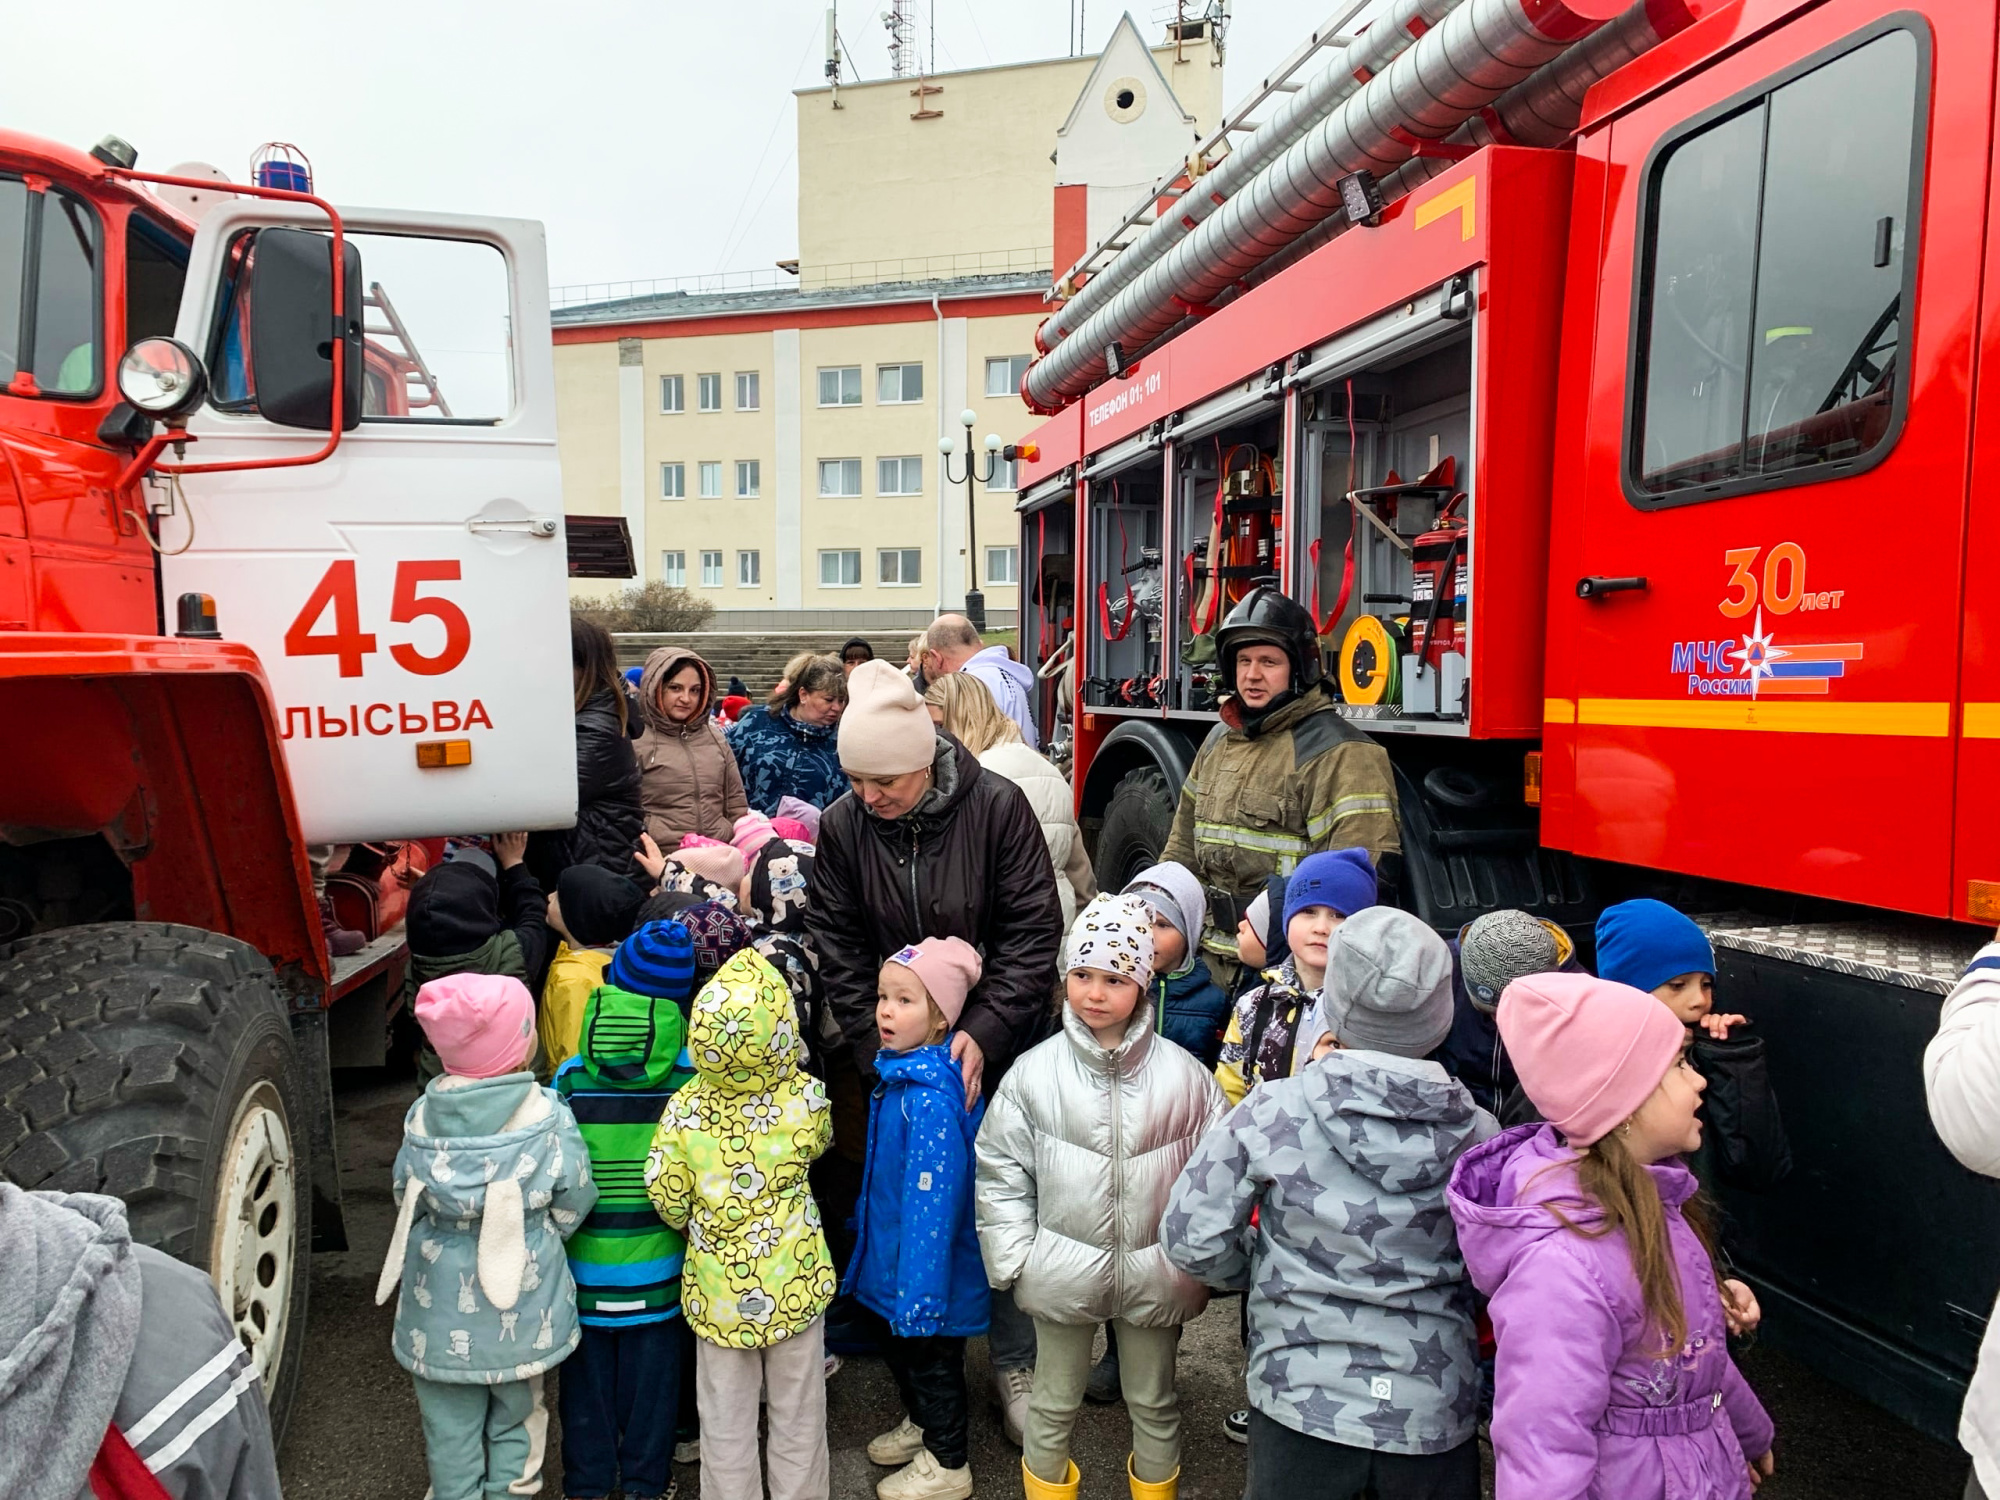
{"x": 729, "y": 1162}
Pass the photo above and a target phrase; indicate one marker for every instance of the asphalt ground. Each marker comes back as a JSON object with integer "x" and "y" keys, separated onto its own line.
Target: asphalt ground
{"x": 354, "y": 1434}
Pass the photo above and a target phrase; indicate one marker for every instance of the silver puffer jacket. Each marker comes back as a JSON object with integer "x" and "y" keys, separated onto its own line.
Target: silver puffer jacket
{"x": 1077, "y": 1155}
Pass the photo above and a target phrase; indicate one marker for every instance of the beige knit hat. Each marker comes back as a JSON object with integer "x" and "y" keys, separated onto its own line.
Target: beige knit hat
{"x": 886, "y": 730}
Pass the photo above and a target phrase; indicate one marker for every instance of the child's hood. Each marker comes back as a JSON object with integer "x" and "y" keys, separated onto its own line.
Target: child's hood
{"x": 462, "y": 1133}
{"x": 1501, "y": 1192}
{"x": 933, "y": 1068}
{"x": 1373, "y": 1109}
{"x": 743, "y": 1033}
{"x": 629, "y": 1041}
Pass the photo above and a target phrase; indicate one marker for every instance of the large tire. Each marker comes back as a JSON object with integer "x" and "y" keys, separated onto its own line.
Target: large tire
{"x": 156, "y": 1063}
{"x": 1137, "y": 823}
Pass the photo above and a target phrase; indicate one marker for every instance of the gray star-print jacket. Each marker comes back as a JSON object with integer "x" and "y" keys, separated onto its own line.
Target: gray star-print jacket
{"x": 1360, "y": 1307}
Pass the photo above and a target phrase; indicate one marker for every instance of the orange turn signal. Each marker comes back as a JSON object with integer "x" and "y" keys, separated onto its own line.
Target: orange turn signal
{"x": 1032, "y": 452}
{"x": 1982, "y": 900}
{"x": 1531, "y": 778}
{"x": 434, "y": 755}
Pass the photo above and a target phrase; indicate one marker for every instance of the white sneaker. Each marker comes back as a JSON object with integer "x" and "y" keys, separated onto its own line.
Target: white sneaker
{"x": 688, "y": 1452}
{"x": 832, "y": 1366}
{"x": 1011, "y": 1389}
{"x": 898, "y": 1445}
{"x": 924, "y": 1479}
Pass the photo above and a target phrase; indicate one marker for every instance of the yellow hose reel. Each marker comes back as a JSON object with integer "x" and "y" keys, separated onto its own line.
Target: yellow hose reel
{"x": 1371, "y": 662}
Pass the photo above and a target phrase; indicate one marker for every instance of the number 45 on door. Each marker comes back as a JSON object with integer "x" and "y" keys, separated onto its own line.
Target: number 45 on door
{"x": 348, "y": 643}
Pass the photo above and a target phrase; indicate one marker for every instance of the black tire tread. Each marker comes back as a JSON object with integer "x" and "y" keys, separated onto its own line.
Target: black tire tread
{"x": 1140, "y": 814}
{"x": 113, "y": 1042}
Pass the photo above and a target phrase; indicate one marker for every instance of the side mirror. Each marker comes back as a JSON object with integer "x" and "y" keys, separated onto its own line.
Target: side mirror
{"x": 292, "y": 329}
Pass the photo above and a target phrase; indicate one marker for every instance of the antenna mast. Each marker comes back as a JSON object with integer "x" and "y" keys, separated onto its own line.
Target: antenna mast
{"x": 902, "y": 29}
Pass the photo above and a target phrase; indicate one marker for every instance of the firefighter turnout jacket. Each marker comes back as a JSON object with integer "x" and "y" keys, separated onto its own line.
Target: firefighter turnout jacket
{"x": 1263, "y": 796}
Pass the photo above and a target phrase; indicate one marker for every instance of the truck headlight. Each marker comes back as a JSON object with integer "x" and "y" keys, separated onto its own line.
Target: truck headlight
{"x": 162, "y": 377}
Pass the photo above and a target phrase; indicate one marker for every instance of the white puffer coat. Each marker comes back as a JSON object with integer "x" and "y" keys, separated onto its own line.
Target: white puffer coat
{"x": 1077, "y": 1155}
{"x": 1048, "y": 793}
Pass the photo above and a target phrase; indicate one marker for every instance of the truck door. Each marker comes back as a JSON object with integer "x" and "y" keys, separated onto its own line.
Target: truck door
{"x": 408, "y": 595}
{"x": 1777, "y": 409}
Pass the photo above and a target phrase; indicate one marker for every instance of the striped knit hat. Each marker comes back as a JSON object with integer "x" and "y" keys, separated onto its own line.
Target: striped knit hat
{"x": 657, "y": 960}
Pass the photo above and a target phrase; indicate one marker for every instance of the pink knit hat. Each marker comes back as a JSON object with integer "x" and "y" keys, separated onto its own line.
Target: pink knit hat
{"x": 794, "y": 831}
{"x": 712, "y": 860}
{"x": 1589, "y": 1052}
{"x": 480, "y": 1025}
{"x": 949, "y": 968}
{"x": 752, "y": 832}
{"x": 885, "y": 730}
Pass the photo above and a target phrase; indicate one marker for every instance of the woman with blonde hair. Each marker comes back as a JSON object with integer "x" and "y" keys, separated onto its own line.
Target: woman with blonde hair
{"x": 964, "y": 708}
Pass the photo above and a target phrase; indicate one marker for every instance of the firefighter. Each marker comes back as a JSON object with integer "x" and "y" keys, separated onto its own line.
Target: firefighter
{"x": 1281, "y": 776}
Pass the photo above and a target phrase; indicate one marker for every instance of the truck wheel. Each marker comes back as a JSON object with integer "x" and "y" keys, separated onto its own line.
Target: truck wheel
{"x": 156, "y": 1063}
{"x": 1137, "y": 821}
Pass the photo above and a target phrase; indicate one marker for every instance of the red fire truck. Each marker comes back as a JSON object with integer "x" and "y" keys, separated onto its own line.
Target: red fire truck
{"x": 281, "y": 568}
{"x": 1614, "y": 387}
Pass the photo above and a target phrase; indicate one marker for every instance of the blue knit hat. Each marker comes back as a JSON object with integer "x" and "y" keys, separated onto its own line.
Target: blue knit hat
{"x": 656, "y": 960}
{"x": 1343, "y": 879}
{"x": 1645, "y": 943}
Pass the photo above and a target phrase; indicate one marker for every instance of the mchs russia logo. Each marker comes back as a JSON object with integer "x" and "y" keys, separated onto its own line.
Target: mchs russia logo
{"x": 1760, "y": 663}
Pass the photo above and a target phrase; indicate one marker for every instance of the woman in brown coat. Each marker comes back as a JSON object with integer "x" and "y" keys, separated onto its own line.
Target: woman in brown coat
{"x": 688, "y": 781}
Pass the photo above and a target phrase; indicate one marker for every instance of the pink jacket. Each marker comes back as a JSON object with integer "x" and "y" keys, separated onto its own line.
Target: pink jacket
{"x": 1582, "y": 1407}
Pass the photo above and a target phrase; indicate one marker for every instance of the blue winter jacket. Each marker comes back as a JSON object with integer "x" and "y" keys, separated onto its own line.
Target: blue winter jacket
{"x": 916, "y": 1253}
{"x": 780, "y": 757}
{"x": 1191, "y": 1009}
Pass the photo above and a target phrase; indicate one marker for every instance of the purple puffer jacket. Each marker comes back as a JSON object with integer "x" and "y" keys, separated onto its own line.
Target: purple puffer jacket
{"x": 1579, "y": 1410}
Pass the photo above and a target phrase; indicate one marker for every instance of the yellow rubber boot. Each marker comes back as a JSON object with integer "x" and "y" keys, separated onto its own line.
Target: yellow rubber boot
{"x": 1166, "y": 1489}
{"x": 1041, "y": 1489}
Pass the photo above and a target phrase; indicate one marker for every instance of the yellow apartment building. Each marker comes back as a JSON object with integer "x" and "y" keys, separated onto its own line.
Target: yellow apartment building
{"x": 774, "y": 447}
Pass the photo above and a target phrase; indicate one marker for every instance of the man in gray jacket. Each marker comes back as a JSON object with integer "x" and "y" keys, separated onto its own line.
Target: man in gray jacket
{"x": 1363, "y": 1369}
{"x": 112, "y": 1354}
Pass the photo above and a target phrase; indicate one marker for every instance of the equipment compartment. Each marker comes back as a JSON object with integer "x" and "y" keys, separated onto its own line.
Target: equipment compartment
{"x": 1229, "y": 488}
{"x": 1124, "y": 611}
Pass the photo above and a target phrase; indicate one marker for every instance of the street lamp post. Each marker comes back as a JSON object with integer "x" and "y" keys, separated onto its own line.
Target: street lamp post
{"x": 975, "y": 601}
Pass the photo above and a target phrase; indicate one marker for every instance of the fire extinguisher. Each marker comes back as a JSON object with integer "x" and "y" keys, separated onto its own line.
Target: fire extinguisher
{"x": 1438, "y": 567}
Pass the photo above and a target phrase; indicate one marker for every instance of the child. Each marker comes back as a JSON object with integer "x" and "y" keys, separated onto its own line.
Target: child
{"x": 621, "y": 1392}
{"x": 1189, "y": 1007}
{"x": 1614, "y": 1376}
{"x": 1363, "y": 1372}
{"x": 729, "y": 1166}
{"x": 477, "y": 914}
{"x": 591, "y": 911}
{"x": 1652, "y": 947}
{"x": 1490, "y": 953}
{"x": 491, "y": 1178}
{"x": 916, "y": 1257}
{"x": 1120, "y": 1115}
{"x": 774, "y": 895}
{"x": 1274, "y": 1022}
{"x": 1258, "y": 945}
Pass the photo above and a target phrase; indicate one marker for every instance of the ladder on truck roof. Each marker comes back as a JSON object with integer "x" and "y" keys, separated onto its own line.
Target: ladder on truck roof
{"x": 422, "y": 386}
{"x": 1210, "y": 153}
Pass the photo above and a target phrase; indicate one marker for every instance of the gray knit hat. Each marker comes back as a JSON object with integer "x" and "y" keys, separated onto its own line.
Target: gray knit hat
{"x": 1503, "y": 946}
{"x": 1388, "y": 984}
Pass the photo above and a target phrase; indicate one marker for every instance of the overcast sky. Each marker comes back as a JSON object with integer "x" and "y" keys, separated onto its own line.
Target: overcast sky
{"x": 653, "y": 140}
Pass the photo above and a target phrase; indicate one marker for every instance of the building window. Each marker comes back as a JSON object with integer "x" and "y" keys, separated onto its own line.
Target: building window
{"x": 1775, "y": 283}
{"x": 673, "y": 394}
{"x": 898, "y": 385}
{"x": 673, "y": 481}
{"x": 840, "y": 386}
{"x": 708, "y": 392}
{"x": 748, "y": 566}
{"x": 711, "y": 480}
{"x": 746, "y": 390}
{"x": 899, "y": 567}
{"x": 840, "y": 570}
{"x": 711, "y": 570}
{"x": 1003, "y": 564}
{"x": 1005, "y": 474}
{"x": 1003, "y": 376}
{"x": 747, "y": 472}
{"x": 899, "y": 476}
{"x": 840, "y": 476}
{"x": 674, "y": 569}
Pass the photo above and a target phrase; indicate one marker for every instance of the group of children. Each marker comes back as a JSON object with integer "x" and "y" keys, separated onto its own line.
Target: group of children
{"x": 1326, "y": 1146}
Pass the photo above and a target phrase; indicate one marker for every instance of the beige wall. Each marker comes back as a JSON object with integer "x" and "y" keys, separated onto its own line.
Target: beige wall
{"x": 971, "y": 186}
{"x": 587, "y": 401}
{"x": 692, "y": 437}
